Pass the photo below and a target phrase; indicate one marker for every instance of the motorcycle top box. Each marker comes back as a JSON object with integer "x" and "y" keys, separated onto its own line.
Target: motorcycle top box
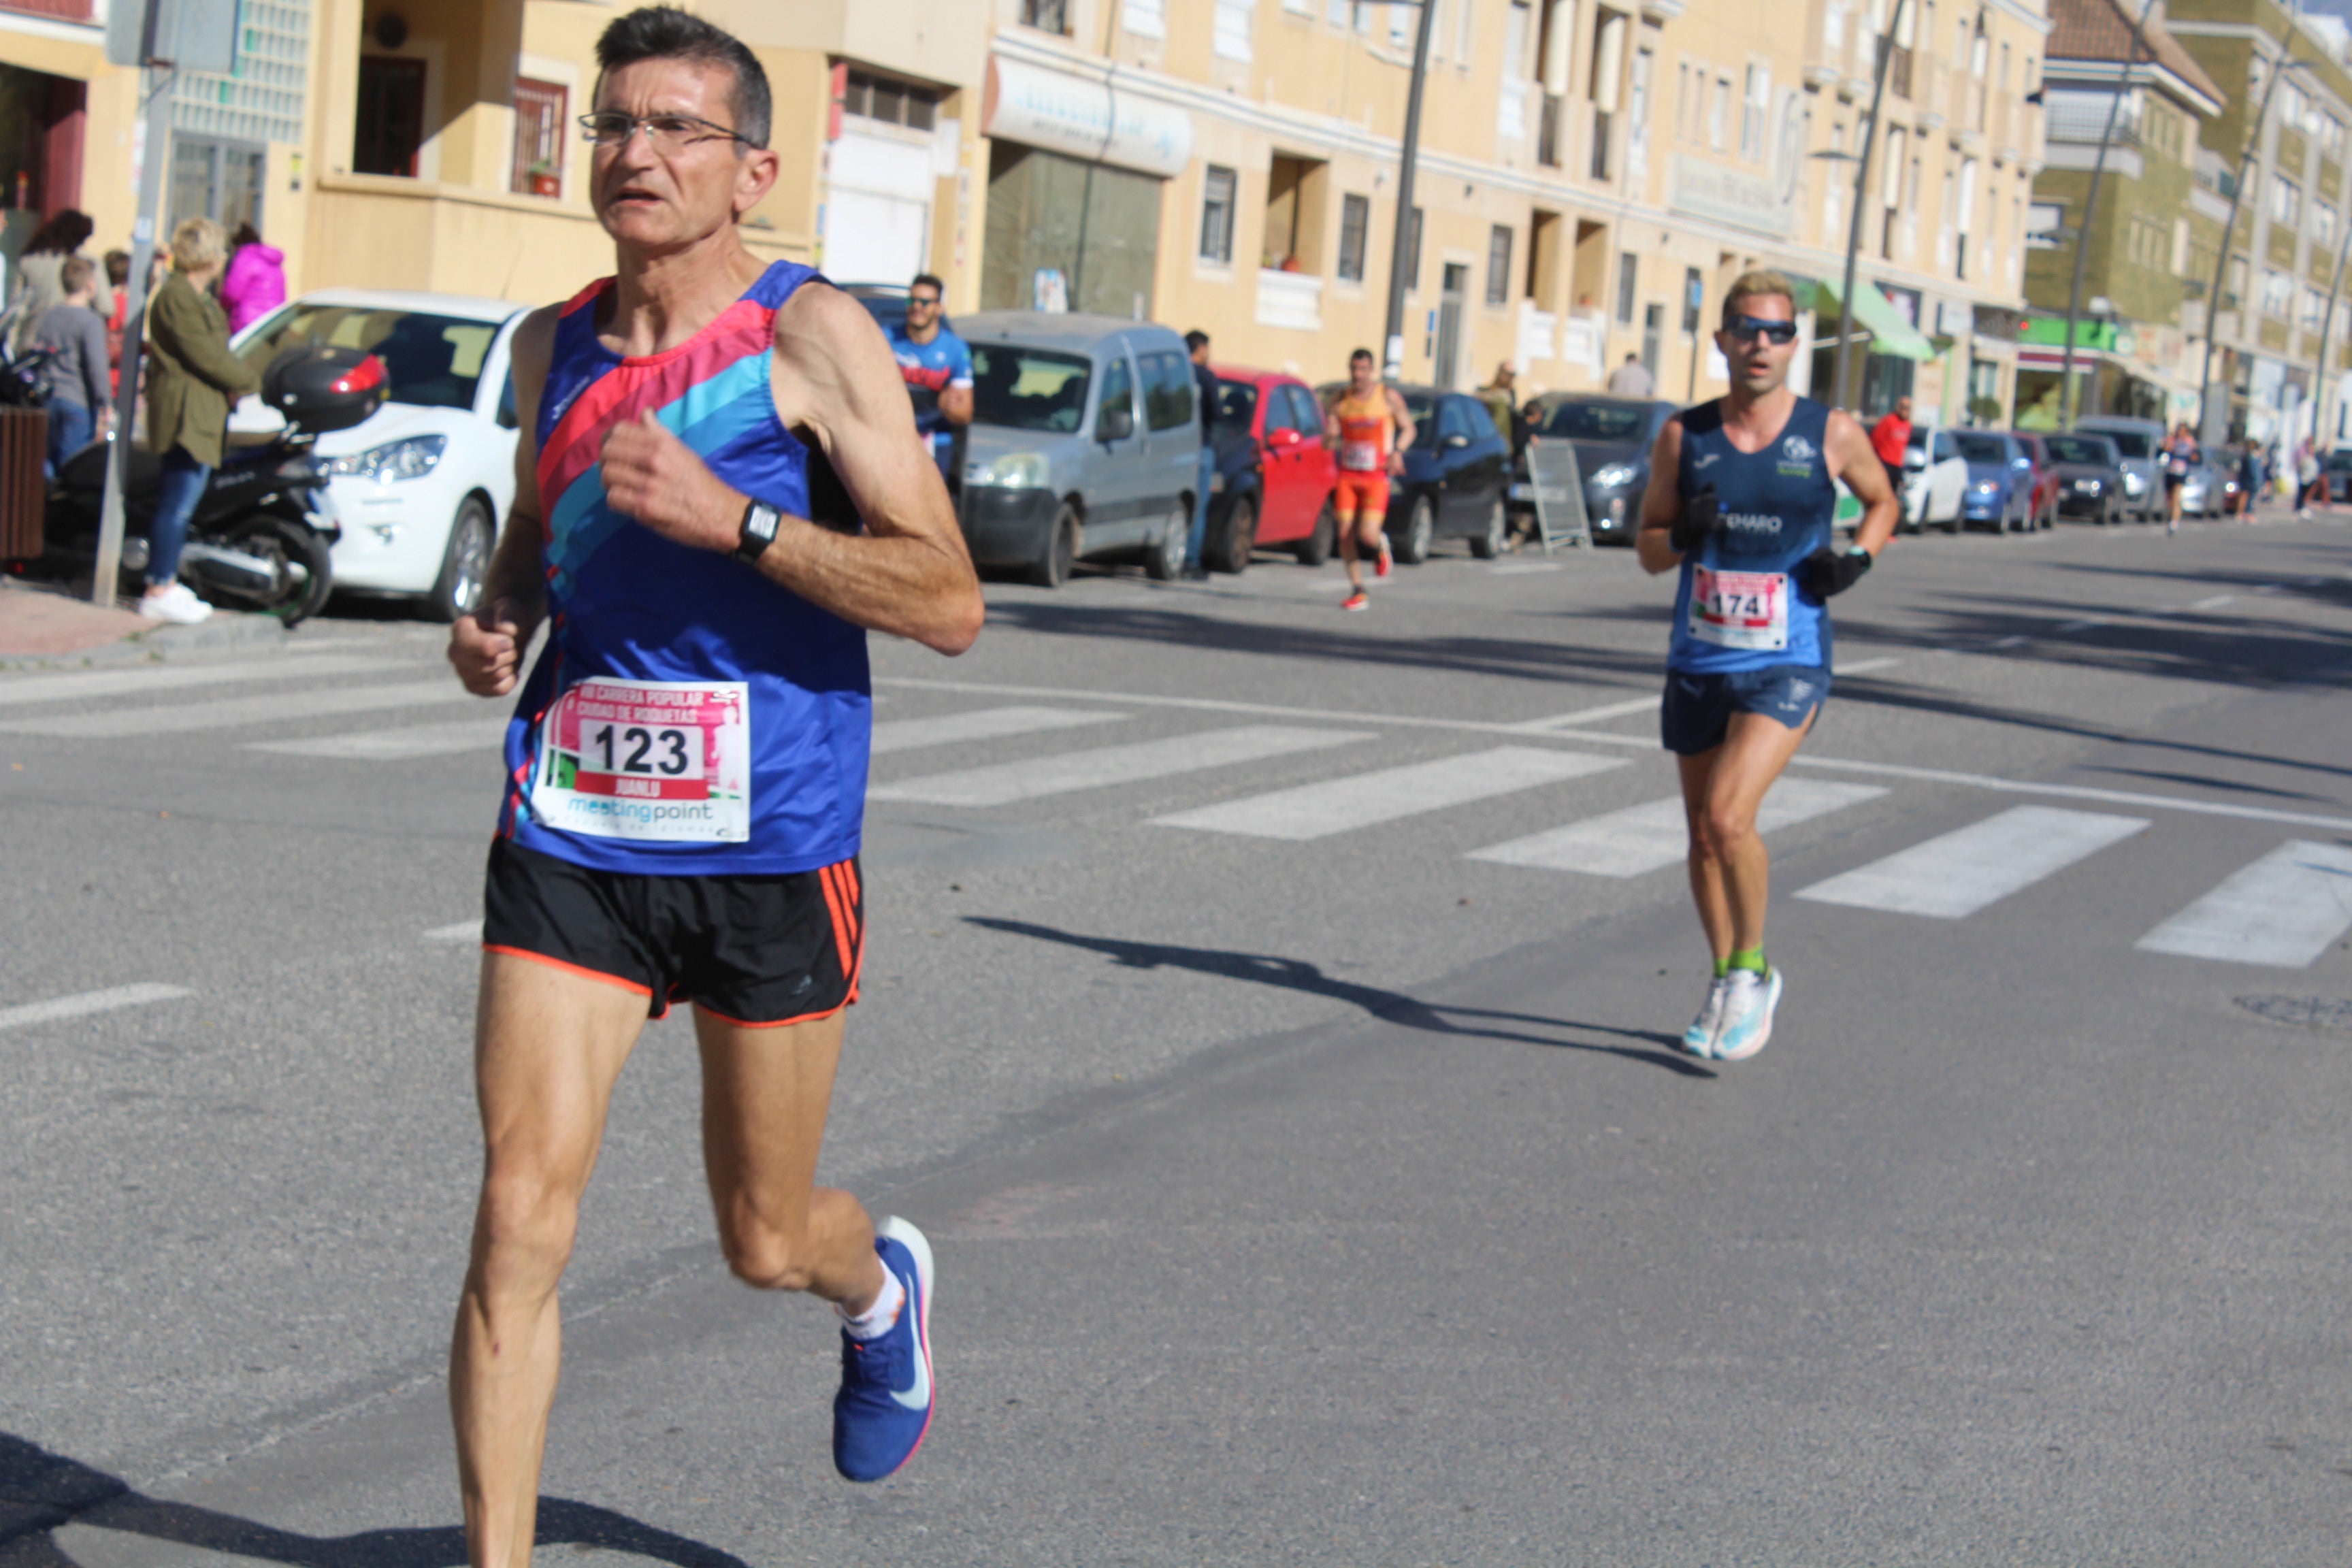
{"x": 322, "y": 390}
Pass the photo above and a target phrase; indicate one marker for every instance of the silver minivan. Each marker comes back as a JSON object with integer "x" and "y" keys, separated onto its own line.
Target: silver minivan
{"x": 2140, "y": 441}
{"x": 1085, "y": 442}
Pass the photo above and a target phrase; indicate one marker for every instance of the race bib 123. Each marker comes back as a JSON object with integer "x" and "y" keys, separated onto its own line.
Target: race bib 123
{"x": 658, "y": 761}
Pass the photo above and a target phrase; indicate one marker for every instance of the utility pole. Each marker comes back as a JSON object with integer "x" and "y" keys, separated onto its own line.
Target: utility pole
{"x": 155, "y": 137}
{"x": 2066, "y": 399}
{"x": 1861, "y": 189}
{"x": 2326, "y": 382}
{"x": 2229, "y": 226}
{"x": 1400, "y": 255}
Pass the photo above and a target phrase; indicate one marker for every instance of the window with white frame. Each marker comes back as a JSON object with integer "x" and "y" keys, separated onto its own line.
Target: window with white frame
{"x": 1217, "y": 208}
{"x": 2312, "y": 307}
{"x": 1834, "y": 28}
{"x": 1719, "y": 113}
{"x": 2278, "y": 294}
{"x": 2286, "y": 202}
{"x": 1339, "y": 13}
{"x": 1466, "y": 39}
{"x": 1144, "y": 19}
{"x": 2180, "y": 268}
{"x": 1234, "y": 22}
{"x": 1498, "y": 266}
{"x": 1401, "y": 25}
{"x": 1299, "y": 7}
{"x": 2323, "y": 223}
{"x": 1754, "y": 111}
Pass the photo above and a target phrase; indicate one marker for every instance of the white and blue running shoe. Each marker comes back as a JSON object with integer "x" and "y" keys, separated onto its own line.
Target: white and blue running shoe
{"x": 1747, "y": 1014}
{"x": 1698, "y": 1040}
{"x": 884, "y": 1407}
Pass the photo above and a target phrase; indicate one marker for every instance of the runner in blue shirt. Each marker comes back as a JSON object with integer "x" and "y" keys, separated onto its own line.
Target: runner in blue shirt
{"x": 936, "y": 365}
{"x": 1741, "y": 506}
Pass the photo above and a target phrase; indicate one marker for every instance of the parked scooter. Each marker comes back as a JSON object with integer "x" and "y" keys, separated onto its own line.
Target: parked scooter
{"x": 262, "y": 533}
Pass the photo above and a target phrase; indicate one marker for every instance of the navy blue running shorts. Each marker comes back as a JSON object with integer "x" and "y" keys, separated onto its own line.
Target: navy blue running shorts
{"x": 761, "y": 950}
{"x": 1696, "y": 713}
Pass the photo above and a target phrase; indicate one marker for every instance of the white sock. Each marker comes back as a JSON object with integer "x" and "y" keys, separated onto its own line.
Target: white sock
{"x": 879, "y": 1317}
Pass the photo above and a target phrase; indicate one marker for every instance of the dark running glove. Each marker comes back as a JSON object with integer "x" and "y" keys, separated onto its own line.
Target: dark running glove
{"x": 1700, "y": 519}
{"x": 1828, "y": 572}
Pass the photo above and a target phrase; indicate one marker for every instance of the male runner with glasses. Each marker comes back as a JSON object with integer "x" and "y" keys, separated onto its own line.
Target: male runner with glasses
{"x": 1742, "y": 502}
{"x": 686, "y": 766}
{"x": 937, "y": 366}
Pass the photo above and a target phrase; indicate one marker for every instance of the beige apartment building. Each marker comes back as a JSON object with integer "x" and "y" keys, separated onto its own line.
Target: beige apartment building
{"x": 1587, "y": 167}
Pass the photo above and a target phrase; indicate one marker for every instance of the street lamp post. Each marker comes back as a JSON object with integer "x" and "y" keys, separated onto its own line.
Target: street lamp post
{"x": 2326, "y": 322}
{"x": 1400, "y": 252}
{"x": 2221, "y": 259}
{"x": 2067, "y": 400}
{"x": 1861, "y": 186}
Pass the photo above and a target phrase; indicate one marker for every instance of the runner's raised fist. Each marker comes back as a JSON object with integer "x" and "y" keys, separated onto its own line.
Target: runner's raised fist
{"x": 486, "y": 649}
{"x": 652, "y": 476}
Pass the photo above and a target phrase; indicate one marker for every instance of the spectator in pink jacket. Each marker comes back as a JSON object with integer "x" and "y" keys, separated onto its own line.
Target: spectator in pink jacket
{"x": 255, "y": 284}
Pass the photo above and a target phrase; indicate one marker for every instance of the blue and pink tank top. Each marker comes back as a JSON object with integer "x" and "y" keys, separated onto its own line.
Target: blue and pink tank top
{"x": 1739, "y": 605}
{"x": 688, "y": 717}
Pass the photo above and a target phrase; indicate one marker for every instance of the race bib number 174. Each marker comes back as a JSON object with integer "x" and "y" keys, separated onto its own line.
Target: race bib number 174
{"x": 663, "y": 760}
{"x": 1740, "y": 609}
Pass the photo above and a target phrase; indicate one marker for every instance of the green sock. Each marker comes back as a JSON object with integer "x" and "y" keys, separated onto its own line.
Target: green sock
{"x": 1749, "y": 958}
{"x": 1722, "y": 967}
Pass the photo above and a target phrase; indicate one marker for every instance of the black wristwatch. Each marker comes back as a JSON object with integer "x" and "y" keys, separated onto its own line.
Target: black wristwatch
{"x": 760, "y": 521}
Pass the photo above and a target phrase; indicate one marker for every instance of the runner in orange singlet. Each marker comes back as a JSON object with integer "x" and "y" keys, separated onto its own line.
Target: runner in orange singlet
{"x": 1358, "y": 424}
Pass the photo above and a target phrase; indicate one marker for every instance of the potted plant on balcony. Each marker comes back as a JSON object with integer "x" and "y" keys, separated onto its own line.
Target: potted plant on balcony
{"x": 546, "y": 180}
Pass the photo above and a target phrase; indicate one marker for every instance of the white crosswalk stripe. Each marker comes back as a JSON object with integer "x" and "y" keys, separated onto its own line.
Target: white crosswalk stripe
{"x": 2284, "y": 911}
{"x": 231, "y": 713}
{"x": 1642, "y": 839}
{"x": 1058, "y": 774}
{"x": 90, "y": 685}
{"x": 981, "y": 724}
{"x": 1957, "y": 874}
{"x": 483, "y": 734}
{"x": 89, "y": 1002}
{"x": 1343, "y": 804}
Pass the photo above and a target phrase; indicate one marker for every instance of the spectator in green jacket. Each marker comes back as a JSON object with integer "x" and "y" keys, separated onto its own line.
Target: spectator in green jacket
{"x": 193, "y": 380}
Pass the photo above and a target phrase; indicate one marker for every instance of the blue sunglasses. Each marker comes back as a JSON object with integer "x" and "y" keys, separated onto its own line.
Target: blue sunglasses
{"x": 1746, "y": 329}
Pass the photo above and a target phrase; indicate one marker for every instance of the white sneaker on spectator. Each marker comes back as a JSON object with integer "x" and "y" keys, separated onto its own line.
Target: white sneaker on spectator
{"x": 175, "y": 605}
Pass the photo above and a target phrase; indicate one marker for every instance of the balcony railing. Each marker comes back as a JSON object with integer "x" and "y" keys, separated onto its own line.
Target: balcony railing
{"x": 2065, "y": 121}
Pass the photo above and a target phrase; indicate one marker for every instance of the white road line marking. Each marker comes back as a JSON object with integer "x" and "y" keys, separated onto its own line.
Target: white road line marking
{"x": 2215, "y": 603}
{"x": 85, "y": 686}
{"x": 981, "y": 724}
{"x": 2020, "y": 640}
{"x": 229, "y": 712}
{"x": 1957, "y": 874}
{"x": 2085, "y": 624}
{"x": 464, "y": 930}
{"x": 1643, "y": 743}
{"x": 1645, "y": 838}
{"x": 1067, "y": 771}
{"x": 2284, "y": 911}
{"x": 1590, "y": 715}
{"x": 105, "y": 1001}
{"x": 1359, "y": 800}
{"x": 1516, "y": 567}
{"x": 1863, "y": 666}
{"x": 392, "y": 745}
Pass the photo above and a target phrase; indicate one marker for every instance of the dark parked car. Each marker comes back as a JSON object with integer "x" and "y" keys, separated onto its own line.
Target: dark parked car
{"x": 2090, "y": 470}
{"x": 1612, "y": 437}
{"x": 1455, "y": 474}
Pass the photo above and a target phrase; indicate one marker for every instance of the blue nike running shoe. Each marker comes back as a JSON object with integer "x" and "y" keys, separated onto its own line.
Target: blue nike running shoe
{"x": 884, "y": 1407}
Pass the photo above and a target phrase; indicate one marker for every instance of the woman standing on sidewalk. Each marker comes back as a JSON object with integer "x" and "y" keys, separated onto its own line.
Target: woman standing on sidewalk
{"x": 192, "y": 380}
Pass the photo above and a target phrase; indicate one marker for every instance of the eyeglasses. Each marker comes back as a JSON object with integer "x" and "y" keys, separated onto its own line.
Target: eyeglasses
{"x": 928, "y": 302}
{"x": 664, "y": 132}
{"x": 1748, "y": 329}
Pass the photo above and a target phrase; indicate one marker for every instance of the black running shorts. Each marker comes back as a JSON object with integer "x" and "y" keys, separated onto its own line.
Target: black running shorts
{"x": 758, "y": 950}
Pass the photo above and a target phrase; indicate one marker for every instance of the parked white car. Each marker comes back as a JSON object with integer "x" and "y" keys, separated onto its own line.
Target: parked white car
{"x": 1934, "y": 480}
{"x": 423, "y": 485}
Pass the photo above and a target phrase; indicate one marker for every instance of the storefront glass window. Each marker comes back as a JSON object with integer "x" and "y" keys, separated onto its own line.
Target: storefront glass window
{"x": 1097, "y": 225}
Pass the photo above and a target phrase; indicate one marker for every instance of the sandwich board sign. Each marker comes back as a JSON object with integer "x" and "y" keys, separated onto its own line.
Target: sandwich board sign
{"x": 1558, "y": 485}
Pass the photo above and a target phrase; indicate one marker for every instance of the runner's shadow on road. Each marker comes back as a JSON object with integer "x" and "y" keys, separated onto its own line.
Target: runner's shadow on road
{"x": 41, "y": 1492}
{"x": 1388, "y": 1006}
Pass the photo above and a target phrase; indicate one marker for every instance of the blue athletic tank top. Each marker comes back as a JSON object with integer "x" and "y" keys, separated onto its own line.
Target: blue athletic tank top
{"x": 1778, "y": 505}
{"x": 701, "y": 638}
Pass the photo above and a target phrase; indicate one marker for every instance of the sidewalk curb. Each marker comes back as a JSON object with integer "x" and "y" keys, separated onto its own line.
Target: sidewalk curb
{"x": 223, "y": 631}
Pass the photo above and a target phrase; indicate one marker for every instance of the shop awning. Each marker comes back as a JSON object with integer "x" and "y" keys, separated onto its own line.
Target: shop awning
{"x": 1875, "y": 313}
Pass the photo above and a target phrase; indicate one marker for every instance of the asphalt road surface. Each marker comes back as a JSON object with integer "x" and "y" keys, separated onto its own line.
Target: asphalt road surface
{"x": 1268, "y": 1014}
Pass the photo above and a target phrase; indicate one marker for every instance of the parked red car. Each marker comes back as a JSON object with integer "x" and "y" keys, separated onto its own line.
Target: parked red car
{"x": 2044, "y": 511}
{"x": 1275, "y": 472}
